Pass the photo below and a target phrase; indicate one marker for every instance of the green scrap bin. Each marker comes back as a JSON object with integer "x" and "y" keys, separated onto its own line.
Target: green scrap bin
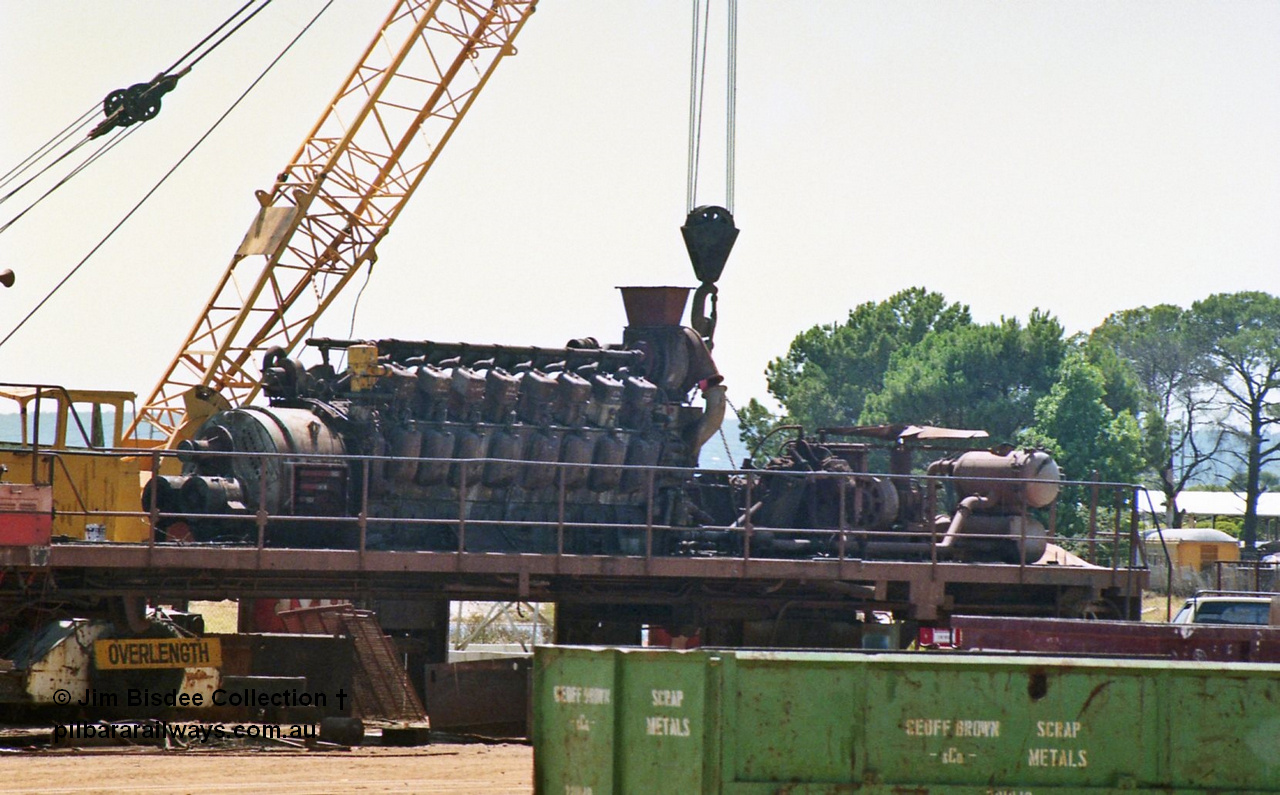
{"x": 610, "y": 721}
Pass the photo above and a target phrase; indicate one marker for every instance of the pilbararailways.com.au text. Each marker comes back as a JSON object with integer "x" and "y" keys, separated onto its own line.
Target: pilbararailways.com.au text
{"x": 184, "y": 732}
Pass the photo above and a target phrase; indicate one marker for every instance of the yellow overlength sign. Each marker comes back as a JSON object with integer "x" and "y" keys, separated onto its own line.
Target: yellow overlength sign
{"x": 118, "y": 654}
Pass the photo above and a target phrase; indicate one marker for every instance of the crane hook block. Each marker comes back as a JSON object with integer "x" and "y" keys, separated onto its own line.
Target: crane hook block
{"x": 709, "y": 235}
{"x": 138, "y": 102}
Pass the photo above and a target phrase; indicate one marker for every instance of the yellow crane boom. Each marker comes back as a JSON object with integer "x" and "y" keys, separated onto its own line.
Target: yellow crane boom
{"x": 321, "y": 222}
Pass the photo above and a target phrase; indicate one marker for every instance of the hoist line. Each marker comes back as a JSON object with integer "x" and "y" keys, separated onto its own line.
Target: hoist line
{"x": 39, "y": 174}
{"x": 70, "y": 130}
{"x": 43, "y": 150}
{"x": 697, "y": 91}
{"x": 697, "y": 98}
{"x": 167, "y": 174}
{"x": 215, "y": 32}
{"x": 693, "y": 106}
{"x": 107, "y": 146}
{"x": 731, "y": 111}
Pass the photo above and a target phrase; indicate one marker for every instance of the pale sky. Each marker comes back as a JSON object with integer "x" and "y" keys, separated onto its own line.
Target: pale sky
{"x": 1083, "y": 157}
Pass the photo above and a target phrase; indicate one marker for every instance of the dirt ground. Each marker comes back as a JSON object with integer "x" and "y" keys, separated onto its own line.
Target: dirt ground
{"x": 434, "y": 769}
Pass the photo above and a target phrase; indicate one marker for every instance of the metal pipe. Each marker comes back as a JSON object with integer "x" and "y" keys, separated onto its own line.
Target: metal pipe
{"x": 966, "y": 507}
{"x": 1093, "y": 519}
{"x": 363, "y": 518}
{"x": 462, "y": 507}
{"x": 35, "y": 442}
{"x": 842, "y": 524}
{"x": 746, "y": 516}
{"x": 648, "y": 518}
{"x": 560, "y": 509}
{"x": 262, "y": 502}
{"x": 713, "y": 415}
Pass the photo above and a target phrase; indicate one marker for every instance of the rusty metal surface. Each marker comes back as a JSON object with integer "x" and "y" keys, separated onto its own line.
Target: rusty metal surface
{"x": 926, "y": 589}
{"x": 380, "y": 685}
{"x": 1203, "y": 642}
{"x": 326, "y": 662}
{"x": 240, "y": 559}
{"x": 489, "y": 698}
{"x": 12, "y": 558}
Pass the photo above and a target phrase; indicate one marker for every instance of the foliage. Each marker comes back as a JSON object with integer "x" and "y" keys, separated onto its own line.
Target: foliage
{"x": 829, "y": 371}
{"x": 1151, "y": 391}
{"x": 1267, "y": 481}
{"x": 1074, "y": 422}
{"x": 986, "y": 377}
{"x": 1228, "y": 524}
{"x": 1173, "y": 400}
{"x": 502, "y": 624}
{"x": 1238, "y": 335}
{"x": 1085, "y": 435}
{"x": 755, "y": 422}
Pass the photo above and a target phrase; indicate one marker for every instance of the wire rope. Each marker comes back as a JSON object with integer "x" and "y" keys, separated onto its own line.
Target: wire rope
{"x": 107, "y": 146}
{"x": 697, "y": 95}
{"x": 731, "y": 110}
{"x": 167, "y": 174}
{"x": 41, "y": 173}
{"x": 44, "y": 149}
{"x": 693, "y": 106}
{"x": 201, "y": 43}
{"x": 117, "y": 119}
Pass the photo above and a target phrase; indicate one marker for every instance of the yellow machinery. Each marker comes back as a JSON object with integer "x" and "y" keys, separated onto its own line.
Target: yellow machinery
{"x": 319, "y": 225}
{"x": 89, "y": 483}
{"x": 315, "y": 230}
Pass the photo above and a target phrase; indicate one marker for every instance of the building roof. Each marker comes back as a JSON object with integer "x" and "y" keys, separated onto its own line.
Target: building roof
{"x": 1210, "y": 503}
{"x": 1176, "y": 535}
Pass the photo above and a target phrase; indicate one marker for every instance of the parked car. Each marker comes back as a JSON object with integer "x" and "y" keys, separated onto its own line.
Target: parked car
{"x": 1226, "y": 607}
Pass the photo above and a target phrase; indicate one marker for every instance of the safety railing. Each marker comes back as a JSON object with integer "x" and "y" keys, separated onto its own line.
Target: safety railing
{"x": 660, "y": 511}
{"x": 1247, "y": 575}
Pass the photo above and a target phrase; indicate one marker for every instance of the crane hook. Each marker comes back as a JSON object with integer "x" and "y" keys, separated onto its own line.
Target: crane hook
{"x": 709, "y": 235}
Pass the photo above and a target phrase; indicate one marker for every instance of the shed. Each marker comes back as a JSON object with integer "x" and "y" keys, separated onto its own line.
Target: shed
{"x": 1204, "y": 508}
{"x": 1192, "y": 547}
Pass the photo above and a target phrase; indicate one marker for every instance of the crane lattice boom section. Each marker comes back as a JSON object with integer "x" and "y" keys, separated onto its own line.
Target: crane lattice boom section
{"x": 321, "y": 222}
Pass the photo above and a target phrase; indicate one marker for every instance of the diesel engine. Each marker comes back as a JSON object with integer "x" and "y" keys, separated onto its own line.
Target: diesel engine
{"x": 514, "y": 439}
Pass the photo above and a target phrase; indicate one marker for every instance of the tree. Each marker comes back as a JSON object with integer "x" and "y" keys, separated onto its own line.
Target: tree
{"x": 755, "y": 422}
{"x": 1074, "y": 422}
{"x": 830, "y": 370}
{"x": 1239, "y": 337}
{"x": 1085, "y": 435}
{"x": 1267, "y": 481}
{"x": 987, "y": 377}
{"x": 1158, "y": 348}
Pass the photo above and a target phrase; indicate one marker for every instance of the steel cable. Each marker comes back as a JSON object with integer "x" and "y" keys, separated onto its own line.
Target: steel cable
{"x": 44, "y": 149}
{"x": 70, "y": 130}
{"x": 697, "y": 91}
{"x": 200, "y": 43}
{"x": 697, "y": 95}
{"x": 107, "y": 146}
{"x": 731, "y": 101}
{"x": 166, "y": 176}
{"x": 693, "y": 107}
{"x": 41, "y": 173}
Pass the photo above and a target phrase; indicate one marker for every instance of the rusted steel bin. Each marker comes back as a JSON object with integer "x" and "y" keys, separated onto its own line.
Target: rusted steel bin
{"x": 613, "y": 721}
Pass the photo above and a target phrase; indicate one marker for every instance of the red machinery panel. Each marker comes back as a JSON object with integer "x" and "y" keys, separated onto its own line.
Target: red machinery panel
{"x": 26, "y": 514}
